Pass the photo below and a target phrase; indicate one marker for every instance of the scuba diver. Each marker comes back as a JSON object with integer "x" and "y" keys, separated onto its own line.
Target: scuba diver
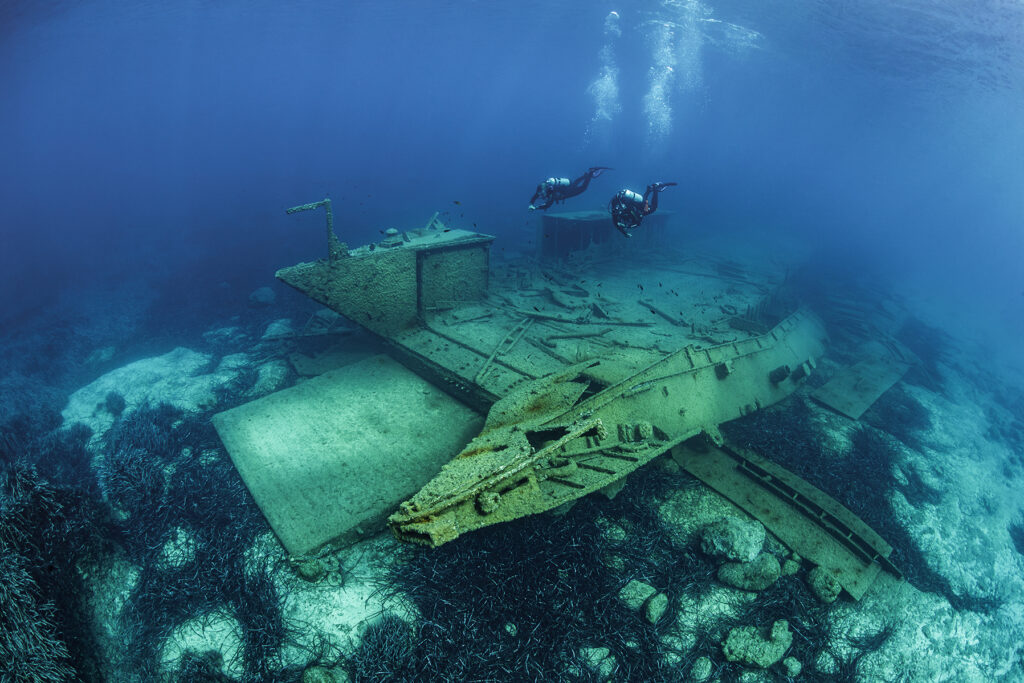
{"x": 628, "y": 208}
{"x": 559, "y": 189}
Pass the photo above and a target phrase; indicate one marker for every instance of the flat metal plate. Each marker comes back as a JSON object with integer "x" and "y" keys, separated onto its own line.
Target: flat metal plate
{"x": 329, "y": 459}
{"x": 854, "y": 388}
{"x": 719, "y": 470}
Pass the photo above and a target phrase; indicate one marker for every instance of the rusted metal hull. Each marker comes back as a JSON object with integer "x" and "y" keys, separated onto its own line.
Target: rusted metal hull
{"x": 561, "y": 437}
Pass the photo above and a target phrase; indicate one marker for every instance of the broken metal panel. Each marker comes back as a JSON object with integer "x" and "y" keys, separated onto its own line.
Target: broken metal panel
{"x": 560, "y": 437}
{"x": 803, "y": 517}
{"x": 855, "y": 388}
{"x": 386, "y": 287}
{"x": 378, "y": 291}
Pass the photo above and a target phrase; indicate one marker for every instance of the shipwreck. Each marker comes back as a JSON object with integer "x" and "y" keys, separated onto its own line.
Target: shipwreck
{"x": 514, "y": 388}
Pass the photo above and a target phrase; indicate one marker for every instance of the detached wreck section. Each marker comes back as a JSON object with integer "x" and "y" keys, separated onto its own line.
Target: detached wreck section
{"x": 554, "y": 439}
{"x": 587, "y": 366}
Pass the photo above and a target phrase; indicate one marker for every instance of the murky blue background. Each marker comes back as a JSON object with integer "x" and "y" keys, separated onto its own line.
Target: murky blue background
{"x": 157, "y": 144}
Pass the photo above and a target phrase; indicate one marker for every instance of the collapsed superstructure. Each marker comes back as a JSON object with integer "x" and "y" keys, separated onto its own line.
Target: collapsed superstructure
{"x": 587, "y": 366}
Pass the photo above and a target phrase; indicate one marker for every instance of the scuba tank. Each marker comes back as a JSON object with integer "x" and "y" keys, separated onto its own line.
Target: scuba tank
{"x": 629, "y": 197}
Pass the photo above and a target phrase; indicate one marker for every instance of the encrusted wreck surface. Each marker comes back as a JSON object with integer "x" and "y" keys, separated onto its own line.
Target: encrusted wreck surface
{"x": 554, "y": 439}
{"x": 588, "y": 365}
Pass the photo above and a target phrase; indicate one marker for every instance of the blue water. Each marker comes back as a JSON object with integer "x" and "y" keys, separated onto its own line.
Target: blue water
{"x": 148, "y": 151}
{"x": 144, "y": 141}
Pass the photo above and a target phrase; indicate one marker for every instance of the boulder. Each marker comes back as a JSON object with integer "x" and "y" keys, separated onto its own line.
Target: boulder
{"x": 655, "y": 607}
{"x": 600, "y": 660}
{"x": 751, "y": 576}
{"x": 733, "y": 538}
{"x": 271, "y": 376}
{"x": 635, "y": 593}
{"x": 279, "y": 329}
{"x": 183, "y": 378}
{"x": 752, "y": 646}
{"x": 792, "y": 666}
{"x": 701, "y": 669}
{"x": 823, "y": 585}
{"x": 318, "y": 674}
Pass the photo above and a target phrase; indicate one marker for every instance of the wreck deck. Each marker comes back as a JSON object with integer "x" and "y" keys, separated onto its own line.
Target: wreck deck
{"x": 536, "y": 320}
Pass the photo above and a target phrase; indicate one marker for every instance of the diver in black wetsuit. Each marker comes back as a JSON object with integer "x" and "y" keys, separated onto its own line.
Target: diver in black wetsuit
{"x": 628, "y": 208}
{"x": 559, "y": 189}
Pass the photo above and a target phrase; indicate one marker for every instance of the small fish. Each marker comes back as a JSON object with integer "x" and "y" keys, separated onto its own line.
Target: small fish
{"x": 659, "y": 284}
{"x": 640, "y": 286}
{"x": 474, "y": 225}
{"x": 536, "y": 309}
{"x": 457, "y": 202}
{"x": 447, "y": 230}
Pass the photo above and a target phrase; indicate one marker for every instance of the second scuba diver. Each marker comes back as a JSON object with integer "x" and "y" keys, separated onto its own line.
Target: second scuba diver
{"x": 628, "y": 208}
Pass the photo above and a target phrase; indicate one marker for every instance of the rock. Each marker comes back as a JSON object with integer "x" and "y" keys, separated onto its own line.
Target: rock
{"x": 182, "y": 378}
{"x": 733, "y": 538}
{"x": 234, "y": 362}
{"x": 179, "y": 550}
{"x": 750, "y": 645}
{"x": 223, "y": 336}
{"x": 614, "y": 532}
{"x": 792, "y": 666}
{"x": 824, "y": 585}
{"x": 281, "y": 328}
{"x": 701, "y": 669}
{"x": 751, "y": 576}
{"x": 674, "y": 649}
{"x": 262, "y": 297}
{"x": 790, "y": 567}
{"x": 311, "y": 569}
{"x": 655, "y": 607}
{"x": 600, "y": 660}
{"x": 317, "y": 674}
{"x": 271, "y": 376}
{"x": 635, "y": 593}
